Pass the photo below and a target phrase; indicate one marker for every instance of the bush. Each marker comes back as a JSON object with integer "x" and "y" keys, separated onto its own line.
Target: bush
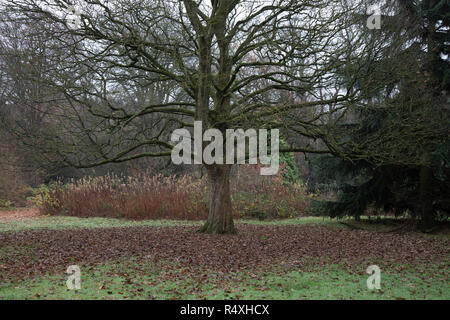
{"x": 147, "y": 196}
{"x": 143, "y": 196}
{"x": 262, "y": 197}
{"x": 38, "y": 195}
{"x": 5, "y": 203}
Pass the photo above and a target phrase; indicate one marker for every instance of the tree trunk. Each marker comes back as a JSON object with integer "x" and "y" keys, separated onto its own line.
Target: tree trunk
{"x": 426, "y": 198}
{"x": 220, "y": 219}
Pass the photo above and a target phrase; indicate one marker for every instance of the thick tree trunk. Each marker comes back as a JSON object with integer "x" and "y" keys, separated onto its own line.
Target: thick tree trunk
{"x": 426, "y": 198}
{"x": 220, "y": 219}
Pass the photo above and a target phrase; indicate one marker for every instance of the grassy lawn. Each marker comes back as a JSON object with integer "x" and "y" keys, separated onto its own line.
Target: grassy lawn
{"x": 62, "y": 222}
{"x": 132, "y": 280}
{"x": 139, "y": 278}
{"x": 66, "y": 222}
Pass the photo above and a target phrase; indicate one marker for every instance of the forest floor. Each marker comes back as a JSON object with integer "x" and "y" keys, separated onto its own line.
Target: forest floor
{"x": 302, "y": 258}
{"x": 18, "y": 214}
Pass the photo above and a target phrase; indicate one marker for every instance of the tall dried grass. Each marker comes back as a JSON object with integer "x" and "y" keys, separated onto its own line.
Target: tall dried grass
{"x": 154, "y": 196}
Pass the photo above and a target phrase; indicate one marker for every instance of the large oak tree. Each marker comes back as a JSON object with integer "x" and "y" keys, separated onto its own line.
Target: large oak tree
{"x": 228, "y": 63}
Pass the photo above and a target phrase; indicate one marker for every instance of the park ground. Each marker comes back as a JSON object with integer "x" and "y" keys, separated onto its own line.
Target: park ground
{"x": 301, "y": 258}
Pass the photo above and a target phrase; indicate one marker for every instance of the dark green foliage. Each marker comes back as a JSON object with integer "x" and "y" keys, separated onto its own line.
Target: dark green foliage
{"x": 258, "y": 214}
{"x": 290, "y": 172}
{"x": 389, "y": 189}
{"x": 396, "y": 158}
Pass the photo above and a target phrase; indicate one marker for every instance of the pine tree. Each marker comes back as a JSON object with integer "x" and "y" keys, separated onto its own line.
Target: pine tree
{"x": 397, "y": 155}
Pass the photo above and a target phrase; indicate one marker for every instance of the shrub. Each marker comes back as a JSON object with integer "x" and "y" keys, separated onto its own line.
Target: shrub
{"x": 5, "y": 203}
{"x": 149, "y": 196}
{"x": 263, "y": 197}
{"x": 38, "y": 194}
{"x": 143, "y": 196}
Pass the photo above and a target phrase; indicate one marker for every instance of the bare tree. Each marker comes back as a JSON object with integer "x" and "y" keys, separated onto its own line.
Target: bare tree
{"x": 228, "y": 63}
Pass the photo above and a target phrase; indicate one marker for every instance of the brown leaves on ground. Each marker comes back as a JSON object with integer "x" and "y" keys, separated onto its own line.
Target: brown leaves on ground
{"x": 18, "y": 214}
{"x": 34, "y": 252}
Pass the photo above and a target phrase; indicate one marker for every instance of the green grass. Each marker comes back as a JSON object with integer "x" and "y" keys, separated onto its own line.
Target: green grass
{"x": 293, "y": 221}
{"x": 132, "y": 280}
{"x": 139, "y": 279}
{"x": 64, "y": 222}
{"x": 333, "y": 282}
{"x": 67, "y": 222}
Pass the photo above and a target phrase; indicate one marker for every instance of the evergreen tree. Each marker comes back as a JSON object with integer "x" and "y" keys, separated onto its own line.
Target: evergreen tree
{"x": 396, "y": 155}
